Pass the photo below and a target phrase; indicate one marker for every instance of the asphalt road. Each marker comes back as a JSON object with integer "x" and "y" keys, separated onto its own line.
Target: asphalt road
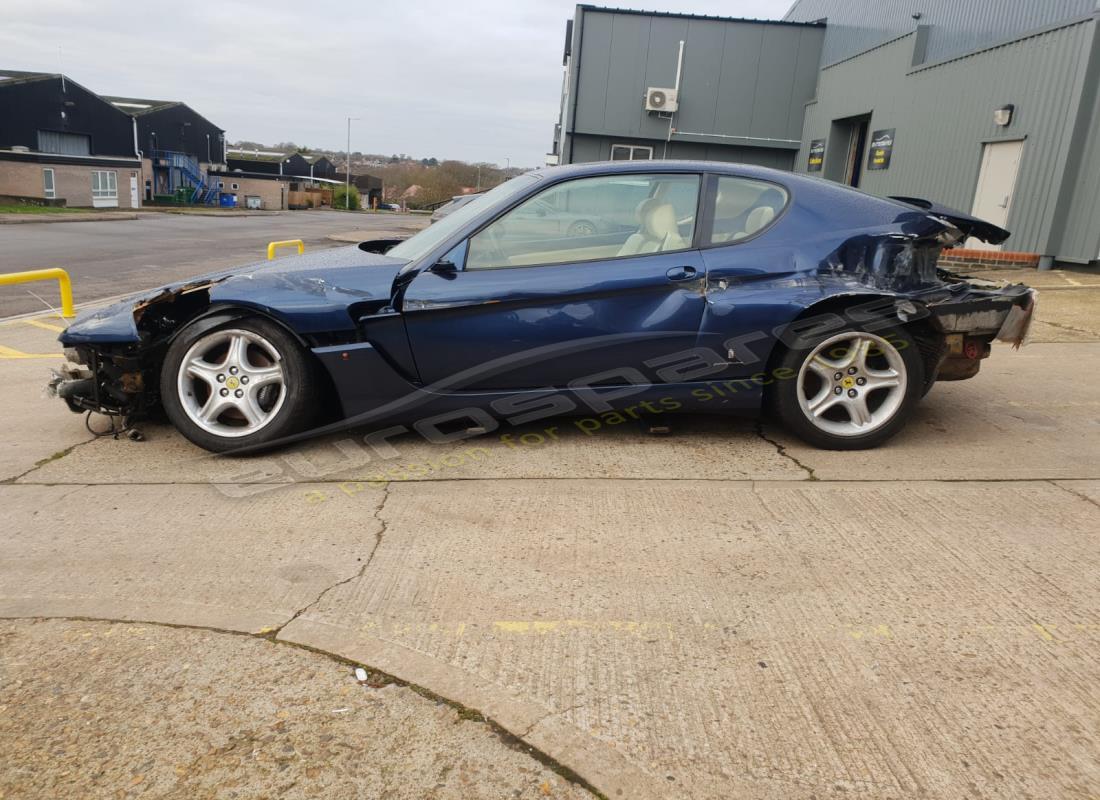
{"x": 109, "y": 258}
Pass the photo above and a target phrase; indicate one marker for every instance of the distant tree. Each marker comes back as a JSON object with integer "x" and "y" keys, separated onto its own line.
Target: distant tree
{"x": 341, "y": 195}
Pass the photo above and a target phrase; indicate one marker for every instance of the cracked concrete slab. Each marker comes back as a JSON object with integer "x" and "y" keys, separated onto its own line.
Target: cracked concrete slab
{"x": 38, "y": 429}
{"x": 1089, "y": 490}
{"x": 188, "y": 556}
{"x": 685, "y": 614}
{"x": 872, "y": 639}
{"x": 99, "y": 709}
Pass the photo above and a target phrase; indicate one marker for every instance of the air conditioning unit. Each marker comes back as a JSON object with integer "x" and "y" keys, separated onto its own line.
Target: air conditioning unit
{"x": 657, "y": 99}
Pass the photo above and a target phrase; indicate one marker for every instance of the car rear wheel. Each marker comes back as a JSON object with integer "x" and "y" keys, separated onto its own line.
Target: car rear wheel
{"x": 851, "y": 390}
{"x": 244, "y": 383}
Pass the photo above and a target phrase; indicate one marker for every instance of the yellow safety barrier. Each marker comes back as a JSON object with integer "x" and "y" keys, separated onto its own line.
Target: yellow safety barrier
{"x": 56, "y": 273}
{"x": 273, "y": 246}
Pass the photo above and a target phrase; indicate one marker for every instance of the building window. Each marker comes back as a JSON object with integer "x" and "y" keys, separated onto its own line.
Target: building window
{"x": 631, "y": 152}
{"x": 48, "y": 188}
{"x": 234, "y": 186}
{"x": 104, "y": 188}
{"x": 68, "y": 144}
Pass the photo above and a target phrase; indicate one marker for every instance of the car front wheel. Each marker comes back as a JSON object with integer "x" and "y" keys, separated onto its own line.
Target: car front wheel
{"x": 244, "y": 383}
{"x": 851, "y": 390}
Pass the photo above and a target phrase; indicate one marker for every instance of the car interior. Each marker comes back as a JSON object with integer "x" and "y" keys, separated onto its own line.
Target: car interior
{"x": 663, "y": 221}
{"x": 744, "y": 207}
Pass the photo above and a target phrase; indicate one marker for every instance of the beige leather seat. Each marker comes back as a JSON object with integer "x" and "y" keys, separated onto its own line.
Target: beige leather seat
{"x": 757, "y": 219}
{"x": 658, "y": 231}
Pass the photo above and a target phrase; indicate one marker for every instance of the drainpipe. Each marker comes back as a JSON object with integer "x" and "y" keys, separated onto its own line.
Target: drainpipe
{"x": 672, "y": 115}
{"x": 141, "y": 163}
{"x": 576, "y": 83}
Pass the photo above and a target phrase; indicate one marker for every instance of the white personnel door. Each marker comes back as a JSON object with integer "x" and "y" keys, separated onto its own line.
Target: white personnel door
{"x": 996, "y": 183}
{"x": 133, "y": 192}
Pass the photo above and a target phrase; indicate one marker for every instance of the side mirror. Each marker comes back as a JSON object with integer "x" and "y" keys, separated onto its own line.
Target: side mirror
{"x": 444, "y": 267}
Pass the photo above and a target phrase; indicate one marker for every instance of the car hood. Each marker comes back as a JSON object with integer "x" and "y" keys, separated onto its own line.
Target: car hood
{"x": 310, "y": 293}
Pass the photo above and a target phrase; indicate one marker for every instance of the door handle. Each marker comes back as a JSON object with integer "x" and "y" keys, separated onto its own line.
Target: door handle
{"x": 681, "y": 273}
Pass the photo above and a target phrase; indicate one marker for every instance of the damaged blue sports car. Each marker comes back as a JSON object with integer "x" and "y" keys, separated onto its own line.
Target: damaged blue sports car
{"x": 627, "y": 287}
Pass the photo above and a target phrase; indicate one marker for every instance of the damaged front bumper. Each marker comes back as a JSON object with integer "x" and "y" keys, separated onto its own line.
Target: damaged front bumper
{"x": 106, "y": 383}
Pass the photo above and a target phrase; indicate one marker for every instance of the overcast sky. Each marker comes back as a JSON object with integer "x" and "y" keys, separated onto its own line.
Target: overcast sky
{"x": 478, "y": 80}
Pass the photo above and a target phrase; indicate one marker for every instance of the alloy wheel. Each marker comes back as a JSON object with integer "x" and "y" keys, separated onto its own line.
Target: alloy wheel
{"x": 852, "y": 384}
{"x": 231, "y": 382}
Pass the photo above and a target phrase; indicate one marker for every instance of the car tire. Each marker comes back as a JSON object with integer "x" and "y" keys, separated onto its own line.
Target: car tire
{"x": 244, "y": 383}
{"x": 848, "y": 390}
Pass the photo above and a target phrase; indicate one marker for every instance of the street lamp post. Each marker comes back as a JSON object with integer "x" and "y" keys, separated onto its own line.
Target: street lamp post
{"x": 347, "y": 175}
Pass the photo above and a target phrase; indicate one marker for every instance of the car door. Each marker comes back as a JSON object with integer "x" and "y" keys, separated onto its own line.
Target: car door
{"x": 549, "y": 307}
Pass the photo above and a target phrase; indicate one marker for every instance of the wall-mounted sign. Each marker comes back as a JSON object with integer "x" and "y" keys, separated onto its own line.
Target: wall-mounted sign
{"x": 882, "y": 147}
{"x": 817, "y": 155}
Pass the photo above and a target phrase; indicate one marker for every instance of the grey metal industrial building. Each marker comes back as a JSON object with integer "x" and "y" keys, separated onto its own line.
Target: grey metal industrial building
{"x": 744, "y": 86}
{"x": 985, "y": 105}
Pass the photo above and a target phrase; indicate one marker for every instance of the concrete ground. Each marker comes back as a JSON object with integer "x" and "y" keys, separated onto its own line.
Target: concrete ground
{"x": 721, "y": 611}
{"x": 107, "y": 258}
{"x": 97, "y": 709}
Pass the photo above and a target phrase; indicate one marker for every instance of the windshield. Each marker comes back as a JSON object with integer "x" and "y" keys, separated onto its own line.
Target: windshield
{"x": 416, "y": 247}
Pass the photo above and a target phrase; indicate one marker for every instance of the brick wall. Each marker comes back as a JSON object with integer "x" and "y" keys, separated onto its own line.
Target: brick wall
{"x": 990, "y": 259}
{"x": 72, "y": 182}
{"x": 271, "y": 193}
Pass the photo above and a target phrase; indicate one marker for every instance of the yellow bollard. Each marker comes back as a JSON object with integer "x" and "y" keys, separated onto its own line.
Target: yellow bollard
{"x": 272, "y": 246}
{"x": 55, "y": 273}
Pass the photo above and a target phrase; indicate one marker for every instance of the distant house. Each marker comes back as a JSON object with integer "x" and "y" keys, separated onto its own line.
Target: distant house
{"x": 61, "y": 142}
{"x": 370, "y": 189}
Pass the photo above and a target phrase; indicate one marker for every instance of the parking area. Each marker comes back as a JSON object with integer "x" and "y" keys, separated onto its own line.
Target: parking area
{"x": 717, "y": 611}
{"x": 108, "y": 258}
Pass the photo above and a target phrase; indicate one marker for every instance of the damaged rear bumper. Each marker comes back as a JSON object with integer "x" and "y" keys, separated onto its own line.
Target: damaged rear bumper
{"x": 972, "y": 318}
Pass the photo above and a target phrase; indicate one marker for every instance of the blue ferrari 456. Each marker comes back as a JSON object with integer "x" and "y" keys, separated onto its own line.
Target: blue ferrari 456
{"x": 631, "y": 288}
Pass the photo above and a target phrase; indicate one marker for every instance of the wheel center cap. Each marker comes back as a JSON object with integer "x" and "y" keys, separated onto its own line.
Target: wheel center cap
{"x": 848, "y": 383}
{"x": 232, "y": 382}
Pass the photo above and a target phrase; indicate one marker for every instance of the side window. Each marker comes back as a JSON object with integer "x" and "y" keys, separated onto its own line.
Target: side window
{"x": 743, "y": 207}
{"x": 590, "y": 219}
{"x": 626, "y": 152}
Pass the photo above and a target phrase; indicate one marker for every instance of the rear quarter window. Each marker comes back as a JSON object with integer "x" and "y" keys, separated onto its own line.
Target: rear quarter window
{"x": 744, "y": 207}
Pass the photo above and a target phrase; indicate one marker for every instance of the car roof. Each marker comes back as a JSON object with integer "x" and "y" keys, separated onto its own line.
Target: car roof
{"x": 662, "y": 165}
{"x": 784, "y": 178}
